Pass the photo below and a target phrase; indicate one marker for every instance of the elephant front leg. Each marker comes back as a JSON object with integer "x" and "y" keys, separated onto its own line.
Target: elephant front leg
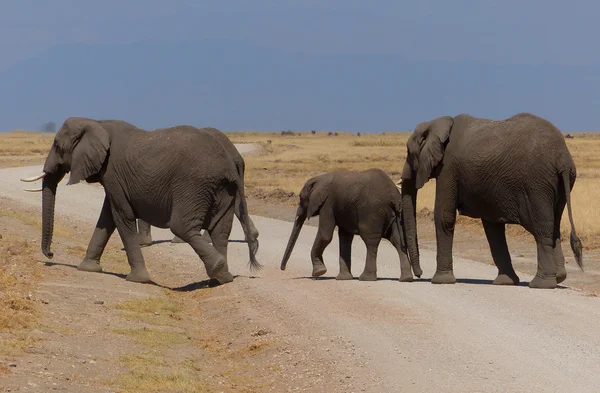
{"x": 144, "y": 233}
{"x": 370, "y": 272}
{"x": 496, "y": 236}
{"x": 104, "y": 229}
{"x": 126, "y": 225}
{"x": 322, "y": 240}
{"x": 445, "y": 219}
{"x": 345, "y": 239}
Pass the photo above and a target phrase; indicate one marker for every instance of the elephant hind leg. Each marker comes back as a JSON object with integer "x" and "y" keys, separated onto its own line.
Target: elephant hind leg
{"x": 345, "y": 239}
{"x": 496, "y": 236}
{"x": 559, "y": 257}
{"x": 370, "y": 271}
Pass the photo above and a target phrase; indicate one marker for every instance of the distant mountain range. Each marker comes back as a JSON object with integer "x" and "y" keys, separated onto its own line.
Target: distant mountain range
{"x": 241, "y": 86}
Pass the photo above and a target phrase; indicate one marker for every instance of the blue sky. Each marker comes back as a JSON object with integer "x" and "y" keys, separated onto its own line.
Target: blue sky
{"x": 538, "y": 33}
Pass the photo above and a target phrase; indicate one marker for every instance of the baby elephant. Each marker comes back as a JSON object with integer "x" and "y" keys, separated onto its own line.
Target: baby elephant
{"x": 365, "y": 203}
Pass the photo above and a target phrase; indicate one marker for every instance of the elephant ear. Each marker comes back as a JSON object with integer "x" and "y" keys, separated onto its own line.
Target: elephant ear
{"x": 90, "y": 146}
{"x": 426, "y": 148}
{"x": 318, "y": 192}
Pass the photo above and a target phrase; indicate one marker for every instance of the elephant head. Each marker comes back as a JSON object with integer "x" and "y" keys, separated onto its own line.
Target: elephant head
{"x": 312, "y": 197}
{"x": 426, "y": 148}
{"x": 80, "y": 147}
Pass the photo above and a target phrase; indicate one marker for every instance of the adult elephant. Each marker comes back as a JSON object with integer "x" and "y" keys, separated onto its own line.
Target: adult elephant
{"x": 512, "y": 171}
{"x": 145, "y": 234}
{"x": 175, "y": 178}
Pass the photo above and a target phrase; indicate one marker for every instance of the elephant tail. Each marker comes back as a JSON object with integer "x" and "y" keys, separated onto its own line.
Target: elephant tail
{"x": 576, "y": 245}
{"x": 245, "y": 219}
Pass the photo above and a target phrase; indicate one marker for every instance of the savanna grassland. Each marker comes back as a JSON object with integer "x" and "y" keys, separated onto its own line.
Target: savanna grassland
{"x": 54, "y": 330}
{"x": 278, "y": 170}
{"x": 286, "y": 162}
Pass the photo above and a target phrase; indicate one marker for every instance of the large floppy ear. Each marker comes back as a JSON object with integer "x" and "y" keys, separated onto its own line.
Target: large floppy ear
{"x": 426, "y": 149}
{"x": 90, "y": 143}
{"x": 318, "y": 192}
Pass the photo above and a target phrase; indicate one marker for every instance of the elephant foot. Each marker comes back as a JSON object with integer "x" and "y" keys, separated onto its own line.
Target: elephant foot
{"x": 177, "y": 239}
{"x": 543, "y": 283}
{"x": 505, "y": 279}
{"x": 318, "y": 270}
{"x": 90, "y": 265}
{"x": 344, "y": 276}
{"x": 443, "y": 277}
{"x": 406, "y": 278}
{"x": 561, "y": 274}
{"x": 368, "y": 276}
{"x": 220, "y": 273}
{"x": 139, "y": 274}
{"x": 144, "y": 240}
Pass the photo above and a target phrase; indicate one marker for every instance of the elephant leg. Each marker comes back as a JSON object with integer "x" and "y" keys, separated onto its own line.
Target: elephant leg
{"x": 144, "y": 233}
{"x": 127, "y": 228}
{"x": 104, "y": 229}
{"x": 322, "y": 240}
{"x": 445, "y": 219}
{"x": 546, "y": 273}
{"x": 496, "y": 236}
{"x": 405, "y": 267}
{"x": 559, "y": 257}
{"x": 220, "y": 239}
{"x": 370, "y": 271}
{"x": 345, "y": 239}
{"x": 559, "y": 261}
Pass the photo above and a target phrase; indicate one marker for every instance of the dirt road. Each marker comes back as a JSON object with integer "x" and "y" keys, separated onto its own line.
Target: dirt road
{"x": 382, "y": 336}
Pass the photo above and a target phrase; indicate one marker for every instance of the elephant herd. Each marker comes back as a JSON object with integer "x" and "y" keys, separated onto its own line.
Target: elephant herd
{"x": 512, "y": 171}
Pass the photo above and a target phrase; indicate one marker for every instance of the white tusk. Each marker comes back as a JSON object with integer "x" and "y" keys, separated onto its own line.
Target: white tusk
{"x": 35, "y": 178}
{"x": 33, "y": 189}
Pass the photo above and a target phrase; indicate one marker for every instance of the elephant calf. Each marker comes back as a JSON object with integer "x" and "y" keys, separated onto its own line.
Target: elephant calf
{"x": 365, "y": 203}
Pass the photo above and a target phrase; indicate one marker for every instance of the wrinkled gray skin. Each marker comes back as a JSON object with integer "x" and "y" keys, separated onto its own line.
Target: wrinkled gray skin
{"x": 176, "y": 178}
{"x": 145, "y": 235}
{"x": 365, "y": 203}
{"x": 512, "y": 171}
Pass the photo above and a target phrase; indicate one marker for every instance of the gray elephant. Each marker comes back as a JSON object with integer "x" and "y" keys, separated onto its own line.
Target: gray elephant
{"x": 145, "y": 234}
{"x": 365, "y": 203}
{"x": 175, "y": 178}
{"x": 512, "y": 171}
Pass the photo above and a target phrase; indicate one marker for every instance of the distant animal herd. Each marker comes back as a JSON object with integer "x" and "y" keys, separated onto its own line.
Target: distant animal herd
{"x": 511, "y": 171}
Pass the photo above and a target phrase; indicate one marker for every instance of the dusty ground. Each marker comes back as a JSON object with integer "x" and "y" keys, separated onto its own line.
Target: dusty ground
{"x": 283, "y": 331}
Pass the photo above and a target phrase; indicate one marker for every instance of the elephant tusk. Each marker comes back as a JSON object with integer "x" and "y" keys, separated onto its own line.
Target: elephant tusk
{"x": 34, "y": 178}
{"x": 33, "y": 189}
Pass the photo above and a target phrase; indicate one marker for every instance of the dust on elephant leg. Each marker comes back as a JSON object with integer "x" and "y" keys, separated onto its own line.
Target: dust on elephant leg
{"x": 89, "y": 265}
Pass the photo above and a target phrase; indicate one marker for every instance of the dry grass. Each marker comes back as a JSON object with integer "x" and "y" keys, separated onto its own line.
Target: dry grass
{"x": 19, "y": 273}
{"x": 21, "y": 148}
{"x": 150, "y": 372}
{"x": 154, "y": 337}
{"x": 288, "y": 161}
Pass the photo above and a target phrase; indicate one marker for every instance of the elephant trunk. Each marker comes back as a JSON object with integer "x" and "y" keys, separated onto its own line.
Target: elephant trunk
{"x": 298, "y": 222}
{"x": 409, "y": 208}
{"x": 49, "y": 185}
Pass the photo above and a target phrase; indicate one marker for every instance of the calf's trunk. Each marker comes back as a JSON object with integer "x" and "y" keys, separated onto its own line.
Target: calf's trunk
{"x": 298, "y": 222}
